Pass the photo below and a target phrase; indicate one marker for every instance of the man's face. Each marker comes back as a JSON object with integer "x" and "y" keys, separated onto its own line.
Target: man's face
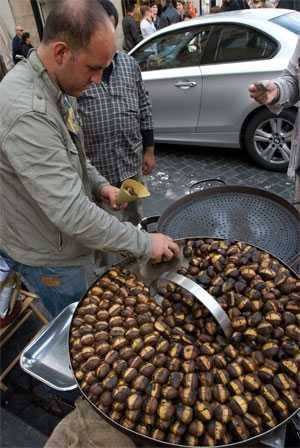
{"x": 78, "y": 69}
{"x": 19, "y": 31}
{"x": 257, "y": 4}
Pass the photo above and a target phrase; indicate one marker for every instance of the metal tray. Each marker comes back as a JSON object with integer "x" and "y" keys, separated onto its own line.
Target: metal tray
{"x": 47, "y": 355}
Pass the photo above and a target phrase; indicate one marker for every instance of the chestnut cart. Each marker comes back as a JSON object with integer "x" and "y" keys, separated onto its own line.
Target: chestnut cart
{"x": 47, "y": 358}
{"x": 257, "y": 217}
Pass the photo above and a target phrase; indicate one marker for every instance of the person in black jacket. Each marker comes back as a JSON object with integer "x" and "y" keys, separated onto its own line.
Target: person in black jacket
{"x": 17, "y": 45}
{"x": 131, "y": 29}
{"x": 26, "y": 44}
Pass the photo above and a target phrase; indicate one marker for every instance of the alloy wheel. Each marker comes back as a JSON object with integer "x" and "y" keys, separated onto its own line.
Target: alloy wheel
{"x": 273, "y": 139}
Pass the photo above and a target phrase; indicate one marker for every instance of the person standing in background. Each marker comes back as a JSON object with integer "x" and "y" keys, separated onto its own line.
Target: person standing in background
{"x": 117, "y": 123}
{"x": 190, "y": 9}
{"x": 254, "y": 4}
{"x": 17, "y": 45}
{"x": 26, "y": 44}
{"x": 155, "y": 16}
{"x": 169, "y": 14}
{"x": 180, "y": 6}
{"x": 147, "y": 26}
{"x": 131, "y": 31}
{"x": 234, "y": 5}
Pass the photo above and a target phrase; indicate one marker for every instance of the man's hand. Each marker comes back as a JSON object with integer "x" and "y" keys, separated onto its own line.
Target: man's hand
{"x": 109, "y": 194}
{"x": 163, "y": 248}
{"x": 264, "y": 92}
{"x": 148, "y": 160}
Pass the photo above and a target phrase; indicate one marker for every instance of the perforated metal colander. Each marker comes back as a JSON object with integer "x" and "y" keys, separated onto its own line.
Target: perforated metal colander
{"x": 235, "y": 212}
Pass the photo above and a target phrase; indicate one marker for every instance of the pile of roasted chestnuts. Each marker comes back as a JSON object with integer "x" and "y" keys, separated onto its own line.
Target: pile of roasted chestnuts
{"x": 167, "y": 371}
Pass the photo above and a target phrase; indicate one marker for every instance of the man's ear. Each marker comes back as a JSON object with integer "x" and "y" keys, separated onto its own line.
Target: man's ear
{"x": 61, "y": 51}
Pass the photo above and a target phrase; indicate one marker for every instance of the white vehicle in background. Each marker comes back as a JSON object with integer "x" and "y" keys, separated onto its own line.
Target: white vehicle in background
{"x": 198, "y": 72}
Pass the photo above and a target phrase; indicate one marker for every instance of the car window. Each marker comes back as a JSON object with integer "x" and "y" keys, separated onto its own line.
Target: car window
{"x": 182, "y": 48}
{"x": 240, "y": 43}
{"x": 290, "y": 21}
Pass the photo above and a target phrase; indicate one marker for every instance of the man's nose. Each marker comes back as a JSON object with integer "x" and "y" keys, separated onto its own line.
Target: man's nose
{"x": 97, "y": 77}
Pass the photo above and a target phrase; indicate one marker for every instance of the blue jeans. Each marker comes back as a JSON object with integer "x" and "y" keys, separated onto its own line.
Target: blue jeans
{"x": 57, "y": 287}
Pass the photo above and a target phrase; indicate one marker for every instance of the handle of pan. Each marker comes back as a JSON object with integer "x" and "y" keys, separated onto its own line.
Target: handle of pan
{"x": 295, "y": 263}
{"x": 203, "y": 296}
{"x": 147, "y": 221}
{"x": 209, "y": 180}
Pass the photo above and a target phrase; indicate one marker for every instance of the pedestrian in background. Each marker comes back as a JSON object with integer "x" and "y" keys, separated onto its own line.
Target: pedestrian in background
{"x": 147, "y": 26}
{"x": 180, "y": 6}
{"x": 26, "y": 44}
{"x": 190, "y": 9}
{"x": 17, "y": 45}
{"x": 169, "y": 14}
{"x": 117, "y": 123}
{"x": 277, "y": 94}
{"x": 254, "y": 4}
{"x": 131, "y": 30}
{"x": 234, "y": 5}
{"x": 155, "y": 16}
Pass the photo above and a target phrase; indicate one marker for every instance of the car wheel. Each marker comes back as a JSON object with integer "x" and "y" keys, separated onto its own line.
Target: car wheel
{"x": 268, "y": 139}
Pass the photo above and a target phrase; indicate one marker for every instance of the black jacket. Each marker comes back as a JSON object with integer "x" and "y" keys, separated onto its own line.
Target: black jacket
{"x": 235, "y": 5}
{"x": 131, "y": 33}
{"x": 17, "y": 48}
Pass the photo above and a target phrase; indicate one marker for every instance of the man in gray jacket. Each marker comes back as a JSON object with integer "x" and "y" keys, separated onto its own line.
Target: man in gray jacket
{"x": 49, "y": 224}
{"x": 277, "y": 94}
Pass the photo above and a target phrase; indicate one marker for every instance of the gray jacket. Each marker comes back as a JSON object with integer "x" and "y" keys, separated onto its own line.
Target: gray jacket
{"x": 47, "y": 215}
{"x": 289, "y": 88}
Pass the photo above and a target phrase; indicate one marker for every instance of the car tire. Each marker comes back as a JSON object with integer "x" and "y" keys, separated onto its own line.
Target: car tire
{"x": 268, "y": 138}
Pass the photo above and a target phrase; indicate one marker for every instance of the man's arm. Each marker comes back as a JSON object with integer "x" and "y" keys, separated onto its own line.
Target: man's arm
{"x": 40, "y": 160}
{"x": 288, "y": 82}
{"x": 282, "y": 91}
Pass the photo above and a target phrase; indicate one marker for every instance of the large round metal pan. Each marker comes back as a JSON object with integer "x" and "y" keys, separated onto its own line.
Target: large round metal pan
{"x": 239, "y": 213}
{"x": 148, "y": 274}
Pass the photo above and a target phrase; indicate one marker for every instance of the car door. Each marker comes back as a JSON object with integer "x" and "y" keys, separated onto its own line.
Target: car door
{"x": 170, "y": 65}
{"x": 237, "y": 56}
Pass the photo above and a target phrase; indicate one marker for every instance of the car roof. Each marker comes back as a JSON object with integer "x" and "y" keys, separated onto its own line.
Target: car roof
{"x": 246, "y": 16}
{"x": 261, "y": 14}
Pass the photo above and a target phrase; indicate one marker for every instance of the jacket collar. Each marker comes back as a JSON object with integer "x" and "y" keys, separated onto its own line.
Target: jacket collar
{"x": 38, "y": 67}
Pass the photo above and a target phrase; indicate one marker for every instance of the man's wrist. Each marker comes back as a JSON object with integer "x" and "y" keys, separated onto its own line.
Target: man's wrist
{"x": 277, "y": 97}
{"x": 149, "y": 149}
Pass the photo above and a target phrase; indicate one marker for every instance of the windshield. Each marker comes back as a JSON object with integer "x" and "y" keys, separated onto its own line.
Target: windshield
{"x": 290, "y": 21}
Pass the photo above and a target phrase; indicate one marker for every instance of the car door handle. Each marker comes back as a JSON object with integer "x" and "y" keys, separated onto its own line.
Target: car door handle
{"x": 185, "y": 84}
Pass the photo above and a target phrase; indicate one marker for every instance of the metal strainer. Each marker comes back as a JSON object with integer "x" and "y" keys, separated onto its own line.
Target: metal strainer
{"x": 236, "y": 212}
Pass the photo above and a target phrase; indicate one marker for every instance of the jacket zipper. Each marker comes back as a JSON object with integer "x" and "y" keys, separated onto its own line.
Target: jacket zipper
{"x": 60, "y": 242}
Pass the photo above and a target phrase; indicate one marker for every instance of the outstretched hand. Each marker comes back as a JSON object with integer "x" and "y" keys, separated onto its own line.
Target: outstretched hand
{"x": 264, "y": 92}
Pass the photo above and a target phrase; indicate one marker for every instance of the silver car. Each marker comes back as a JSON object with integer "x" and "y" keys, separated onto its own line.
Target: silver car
{"x": 198, "y": 72}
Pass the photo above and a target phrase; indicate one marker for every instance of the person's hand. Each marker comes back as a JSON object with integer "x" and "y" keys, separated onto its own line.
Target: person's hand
{"x": 109, "y": 195}
{"x": 264, "y": 96}
{"x": 163, "y": 248}
{"x": 148, "y": 160}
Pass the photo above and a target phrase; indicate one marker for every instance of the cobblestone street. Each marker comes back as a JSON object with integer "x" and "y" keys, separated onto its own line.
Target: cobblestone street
{"x": 178, "y": 167}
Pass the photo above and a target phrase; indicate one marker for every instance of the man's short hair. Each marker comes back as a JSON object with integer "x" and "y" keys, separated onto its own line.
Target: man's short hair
{"x": 74, "y": 22}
